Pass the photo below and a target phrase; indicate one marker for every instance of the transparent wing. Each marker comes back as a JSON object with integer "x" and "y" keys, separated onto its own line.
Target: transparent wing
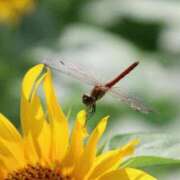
{"x": 133, "y": 102}
{"x": 75, "y": 71}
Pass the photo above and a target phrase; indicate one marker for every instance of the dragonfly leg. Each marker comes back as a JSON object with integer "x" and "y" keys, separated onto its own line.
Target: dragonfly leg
{"x": 90, "y": 111}
{"x": 93, "y": 109}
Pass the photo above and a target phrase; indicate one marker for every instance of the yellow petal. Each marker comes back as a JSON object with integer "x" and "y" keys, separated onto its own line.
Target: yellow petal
{"x": 32, "y": 115}
{"x": 135, "y": 174}
{"x": 30, "y": 150}
{"x": 110, "y": 159}
{"x": 58, "y": 121}
{"x": 115, "y": 175}
{"x": 31, "y": 81}
{"x": 88, "y": 157}
{"x": 29, "y": 102}
{"x": 8, "y": 131}
{"x": 44, "y": 142}
{"x": 11, "y": 11}
{"x": 7, "y": 14}
{"x": 3, "y": 173}
{"x": 22, "y": 6}
{"x": 9, "y": 164}
{"x": 12, "y": 152}
{"x": 42, "y": 136}
{"x": 127, "y": 174}
{"x": 76, "y": 147}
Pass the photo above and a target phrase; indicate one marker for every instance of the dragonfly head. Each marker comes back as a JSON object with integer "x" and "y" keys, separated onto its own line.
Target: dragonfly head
{"x": 88, "y": 100}
{"x": 90, "y": 104}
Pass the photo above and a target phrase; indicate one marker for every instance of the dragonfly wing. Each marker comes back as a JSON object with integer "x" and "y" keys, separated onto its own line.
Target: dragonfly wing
{"x": 75, "y": 71}
{"x": 133, "y": 102}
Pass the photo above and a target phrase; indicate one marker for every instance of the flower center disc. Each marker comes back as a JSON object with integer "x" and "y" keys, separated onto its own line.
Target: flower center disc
{"x": 36, "y": 173}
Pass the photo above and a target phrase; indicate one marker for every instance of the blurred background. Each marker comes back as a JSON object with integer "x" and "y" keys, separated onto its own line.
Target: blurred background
{"x": 104, "y": 37}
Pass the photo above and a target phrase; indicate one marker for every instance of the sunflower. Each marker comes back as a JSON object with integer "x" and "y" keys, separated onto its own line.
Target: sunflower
{"x": 12, "y": 10}
{"x": 44, "y": 150}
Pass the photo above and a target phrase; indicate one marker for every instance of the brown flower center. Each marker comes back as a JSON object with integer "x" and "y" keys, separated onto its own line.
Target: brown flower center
{"x": 37, "y": 173}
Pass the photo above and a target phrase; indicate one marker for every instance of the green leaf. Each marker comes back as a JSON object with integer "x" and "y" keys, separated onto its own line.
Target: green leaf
{"x": 154, "y": 149}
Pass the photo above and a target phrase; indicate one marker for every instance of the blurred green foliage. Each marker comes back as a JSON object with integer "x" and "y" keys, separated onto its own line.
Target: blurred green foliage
{"x": 44, "y": 26}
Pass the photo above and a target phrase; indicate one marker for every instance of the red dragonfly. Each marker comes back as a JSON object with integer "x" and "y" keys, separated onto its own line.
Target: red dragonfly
{"x": 99, "y": 89}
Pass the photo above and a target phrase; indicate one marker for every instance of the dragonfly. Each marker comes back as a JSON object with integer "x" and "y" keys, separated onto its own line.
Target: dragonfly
{"x": 99, "y": 90}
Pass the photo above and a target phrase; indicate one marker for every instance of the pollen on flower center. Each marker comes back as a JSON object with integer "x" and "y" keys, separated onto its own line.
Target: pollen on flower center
{"x": 37, "y": 173}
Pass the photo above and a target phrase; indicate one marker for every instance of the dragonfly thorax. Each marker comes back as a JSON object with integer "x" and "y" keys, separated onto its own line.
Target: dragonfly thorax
{"x": 98, "y": 92}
